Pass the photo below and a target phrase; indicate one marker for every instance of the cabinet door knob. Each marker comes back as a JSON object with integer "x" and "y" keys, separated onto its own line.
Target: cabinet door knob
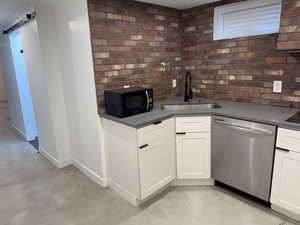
{"x": 181, "y": 133}
{"x": 144, "y": 146}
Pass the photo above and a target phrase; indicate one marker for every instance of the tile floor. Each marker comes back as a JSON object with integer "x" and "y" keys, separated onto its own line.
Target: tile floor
{"x": 34, "y": 192}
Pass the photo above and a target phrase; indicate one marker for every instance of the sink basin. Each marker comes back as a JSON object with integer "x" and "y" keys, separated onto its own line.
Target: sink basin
{"x": 198, "y": 106}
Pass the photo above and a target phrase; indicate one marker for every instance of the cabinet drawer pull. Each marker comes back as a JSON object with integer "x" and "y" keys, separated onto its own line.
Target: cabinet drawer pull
{"x": 283, "y": 149}
{"x": 157, "y": 122}
{"x": 144, "y": 146}
{"x": 181, "y": 133}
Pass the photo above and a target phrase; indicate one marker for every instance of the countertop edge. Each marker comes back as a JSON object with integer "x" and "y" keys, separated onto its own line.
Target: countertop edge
{"x": 258, "y": 113}
{"x": 176, "y": 114}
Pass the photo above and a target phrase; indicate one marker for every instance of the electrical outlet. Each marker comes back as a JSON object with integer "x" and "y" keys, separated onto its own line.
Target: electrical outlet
{"x": 174, "y": 83}
{"x": 277, "y": 86}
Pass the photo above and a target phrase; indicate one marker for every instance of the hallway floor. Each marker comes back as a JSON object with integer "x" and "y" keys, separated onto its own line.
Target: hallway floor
{"x": 34, "y": 192}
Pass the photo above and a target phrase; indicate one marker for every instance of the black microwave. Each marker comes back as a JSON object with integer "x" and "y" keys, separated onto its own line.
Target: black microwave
{"x": 128, "y": 101}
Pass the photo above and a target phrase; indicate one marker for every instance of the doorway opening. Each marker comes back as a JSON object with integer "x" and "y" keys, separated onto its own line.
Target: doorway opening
{"x": 23, "y": 90}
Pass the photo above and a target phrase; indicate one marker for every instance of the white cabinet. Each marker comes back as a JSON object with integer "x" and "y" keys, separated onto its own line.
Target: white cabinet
{"x": 141, "y": 161}
{"x": 286, "y": 181}
{"x": 193, "y": 147}
{"x": 285, "y": 196}
{"x": 156, "y": 154}
{"x": 193, "y": 155}
{"x": 156, "y": 165}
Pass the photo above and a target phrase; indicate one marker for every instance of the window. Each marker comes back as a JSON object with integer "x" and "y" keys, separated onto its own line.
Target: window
{"x": 249, "y": 18}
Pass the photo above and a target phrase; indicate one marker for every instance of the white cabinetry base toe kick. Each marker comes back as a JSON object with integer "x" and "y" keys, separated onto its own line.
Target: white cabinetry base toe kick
{"x": 193, "y": 182}
{"x": 286, "y": 212}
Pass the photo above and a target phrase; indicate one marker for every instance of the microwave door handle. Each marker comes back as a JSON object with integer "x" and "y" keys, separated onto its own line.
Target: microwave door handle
{"x": 148, "y": 100}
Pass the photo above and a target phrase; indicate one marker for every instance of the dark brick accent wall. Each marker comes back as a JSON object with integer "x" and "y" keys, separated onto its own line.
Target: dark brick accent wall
{"x": 289, "y": 37}
{"x": 240, "y": 69}
{"x": 130, "y": 40}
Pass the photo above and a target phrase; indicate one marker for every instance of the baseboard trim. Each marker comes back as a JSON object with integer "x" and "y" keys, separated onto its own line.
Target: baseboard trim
{"x": 21, "y": 134}
{"x": 193, "y": 182}
{"x": 286, "y": 212}
{"x": 58, "y": 163}
{"x": 124, "y": 193}
{"x": 89, "y": 173}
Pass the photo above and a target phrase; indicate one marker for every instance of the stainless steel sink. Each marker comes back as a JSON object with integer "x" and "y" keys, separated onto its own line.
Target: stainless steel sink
{"x": 195, "y": 106}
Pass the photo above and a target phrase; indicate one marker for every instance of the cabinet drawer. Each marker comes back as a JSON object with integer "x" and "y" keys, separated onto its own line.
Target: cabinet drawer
{"x": 156, "y": 131}
{"x": 193, "y": 124}
{"x": 288, "y": 139}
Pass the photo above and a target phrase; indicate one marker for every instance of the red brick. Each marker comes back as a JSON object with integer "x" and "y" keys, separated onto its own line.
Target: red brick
{"x": 99, "y": 42}
{"x": 103, "y": 68}
{"x": 223, "y": 51}
{"x": 275, "y": 60}
{"x": 288, "y": 45}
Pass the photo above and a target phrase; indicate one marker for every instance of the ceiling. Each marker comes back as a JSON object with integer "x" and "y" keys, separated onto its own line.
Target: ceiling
{"x": 179, "y": 4}
{"x": 11, "y": 10}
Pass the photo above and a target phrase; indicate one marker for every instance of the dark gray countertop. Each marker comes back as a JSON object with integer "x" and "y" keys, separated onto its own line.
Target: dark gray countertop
{"x": 245, "y": 111}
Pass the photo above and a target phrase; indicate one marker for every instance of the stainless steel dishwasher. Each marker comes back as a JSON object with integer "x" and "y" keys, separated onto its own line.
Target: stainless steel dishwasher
{"x": 242, "y": 155}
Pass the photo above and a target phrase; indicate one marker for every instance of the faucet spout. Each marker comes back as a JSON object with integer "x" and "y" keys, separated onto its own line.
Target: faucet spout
{"x": 188, "y": 94}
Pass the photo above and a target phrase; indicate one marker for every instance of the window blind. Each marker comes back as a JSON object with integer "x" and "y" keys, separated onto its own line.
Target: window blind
{"x": 247, "y": 19}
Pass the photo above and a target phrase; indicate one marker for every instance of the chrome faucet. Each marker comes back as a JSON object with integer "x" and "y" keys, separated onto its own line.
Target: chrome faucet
{"x": 188, "y": 94}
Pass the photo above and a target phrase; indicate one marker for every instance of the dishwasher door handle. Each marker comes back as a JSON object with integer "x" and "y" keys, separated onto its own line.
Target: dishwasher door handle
{"x": 258, "y": 131}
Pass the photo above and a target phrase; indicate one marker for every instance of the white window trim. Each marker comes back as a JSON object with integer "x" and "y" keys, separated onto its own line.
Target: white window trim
{"x": 221, "y": 10}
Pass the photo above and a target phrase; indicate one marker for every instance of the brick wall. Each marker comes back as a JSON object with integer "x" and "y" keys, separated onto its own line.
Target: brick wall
{"x": 289, "y": 37}
{"x": 130, "y": 40}
{"x": 240, "y": 69}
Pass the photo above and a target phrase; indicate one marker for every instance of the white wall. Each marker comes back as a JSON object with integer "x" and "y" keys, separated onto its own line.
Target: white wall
{"x": 65, "y": 38}
{"x": 52, "y": 73}
{"x": 45, "y": 121}
{"x": 39, "y": 89}
{"x": 66, "y": 70}
{"x": 79, "y": 84}
{"x": 14, "y": 103}
{"x": 2, "y": 86}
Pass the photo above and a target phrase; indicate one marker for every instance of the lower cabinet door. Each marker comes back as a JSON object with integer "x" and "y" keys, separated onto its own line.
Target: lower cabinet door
{"x": 286, "y": 181}
{"x": 193, "y": 155}
{"x": 156, "y": 165}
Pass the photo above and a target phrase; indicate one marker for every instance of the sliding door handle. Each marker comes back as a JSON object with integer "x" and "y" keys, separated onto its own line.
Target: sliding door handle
{"x": 181, "y": 133}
